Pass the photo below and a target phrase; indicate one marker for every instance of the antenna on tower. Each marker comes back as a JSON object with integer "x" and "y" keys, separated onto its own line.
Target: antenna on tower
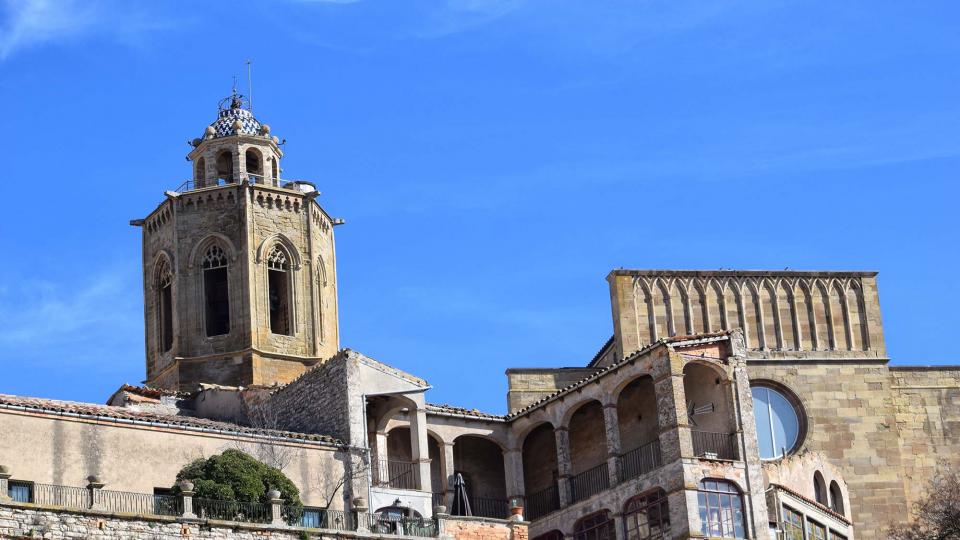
{"x": 250, "y": 83}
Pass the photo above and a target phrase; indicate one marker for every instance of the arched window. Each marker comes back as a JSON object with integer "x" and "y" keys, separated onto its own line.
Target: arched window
{"x": 276, "y": 171}
{"x": 596, "y": 526}
{"x": 201, "y": 172}
{"x": 721, "y": 509}
{"x": 216, "y": 291}
{"x": 820, "y": 489}
{"x": 254, "y": 164}
{"x": 164, "y": 284}
{"x": 225, "y": 167}
{"x": 779, "y": 421}
{"x": 647, "y": 517}
{"x": 278, "y": 284}
{"x": 836, "y": 498}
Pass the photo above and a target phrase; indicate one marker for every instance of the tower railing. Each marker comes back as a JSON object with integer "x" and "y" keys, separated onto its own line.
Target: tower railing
{"x": 194, "y": 184}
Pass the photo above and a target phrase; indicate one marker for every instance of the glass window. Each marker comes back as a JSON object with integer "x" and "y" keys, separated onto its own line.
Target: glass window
{"x": 837, "y": 536}
{"x": 20, "y": 491}
{"x": 721, "y": 509}
{"x": 792, "y": 525}
{"x": 817, "y": 531}
{"x": 647, "y": 517}
{"x": 778, "y": 426}
{"x": 597, "y": 526}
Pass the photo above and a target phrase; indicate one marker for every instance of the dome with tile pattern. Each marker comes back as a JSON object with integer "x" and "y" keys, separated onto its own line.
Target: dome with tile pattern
{"x": 234, "y": 119}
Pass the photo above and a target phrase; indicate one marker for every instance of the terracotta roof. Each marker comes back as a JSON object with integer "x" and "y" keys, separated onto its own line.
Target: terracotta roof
{"x": 125, "y": 415}
{"x": 824, "y": 508}
{"x": 147, "y": 391}
{"x": 450, "y": 409}
{"x": 601, "y": 371}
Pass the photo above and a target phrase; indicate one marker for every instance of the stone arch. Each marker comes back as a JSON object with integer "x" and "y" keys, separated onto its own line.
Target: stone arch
{"x": 253, "y": 164}
{"x": 162, "y": 284}
{"x": 637, "y": 419}
{"x": 224, "y": 163}
{"x": 198, "y": 250}
{"x": 480, "y": 460}
{"x": 787, "y": 316}
{"x": 807, "y": 324}
{"x": 858, "y": 316}
{"x": 836, "y": 498}
{"x": 587, "y": 435}
{"x": 680, "y": 307}
{"x": 841, "y": 316}
{"x": 200, "y": 172}
{"x": 709, "y": 405}
{"x": 540, "y": 470}
{"x": 820, "y": 489}
{"x": 771, "y": 315}
{"x": 699, "y": 317}
{"x": 321, "y": 271}
{"x": 716, "y": 307}
{"x": 824, "y": 316}
{"x": 645, "y": 312}
{"x": 664, "y": 309}
{"x": 753, "y": 316}
{"x": 296, "y": 262}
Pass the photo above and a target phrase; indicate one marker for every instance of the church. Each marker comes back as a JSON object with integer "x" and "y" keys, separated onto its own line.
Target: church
{"x": 726, "y": 404}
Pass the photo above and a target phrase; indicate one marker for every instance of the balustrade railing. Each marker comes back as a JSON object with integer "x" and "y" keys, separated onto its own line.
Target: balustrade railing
{"x": 640, "y": 460}
{"x": 397, "y": 474}
{"x": 64, "y": 496}
{"x": 79, "y": 498}
{"x": 140, "y": 503}
{"x": 248, "y": 512}
{"x": 490, "y": 507}
{"x": 710, "y": 445}
{"x": 589, "y": 482}
{"x": 192, "y": 184}
{"x": 542, "y": 503}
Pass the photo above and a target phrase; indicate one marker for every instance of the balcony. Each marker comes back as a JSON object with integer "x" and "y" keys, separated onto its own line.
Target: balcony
{"x": 396, "y": 474}
{"x": 542, "y": 503}
{"x": 640, "y": 460}
{"x": 589, "y": 482}
{"x": 710, "y": 445}
{"x": 296, "y": 185}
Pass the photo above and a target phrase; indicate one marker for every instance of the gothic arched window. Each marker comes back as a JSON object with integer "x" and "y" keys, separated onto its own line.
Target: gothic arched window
{"x": 598, "y": 526}
{"x": 278, "y": 291}
{"x": 224, "y": 167}
{"x": 253, "y": 160}
{"x": 201, "y": 172}
{"x": 647, "y": 517}
{"x": 820, "y": 489}
{"x": 164, "y": 285}
{"x": 721, "y": 509}
{"x": 216, "y": 291}
{"x": 836, "y": 498}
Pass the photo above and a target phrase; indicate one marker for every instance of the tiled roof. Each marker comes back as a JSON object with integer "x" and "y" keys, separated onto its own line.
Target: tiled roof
{"x": 147, "y": 391}
{"x": 826, "y": 509}
{"x": 125, "y": 415}
{"x": 460, "y": 411}
{"x": 601, "y": 371}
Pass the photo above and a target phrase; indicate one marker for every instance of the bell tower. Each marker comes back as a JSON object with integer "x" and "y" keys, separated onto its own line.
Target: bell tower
{"x": 239, "y": 266}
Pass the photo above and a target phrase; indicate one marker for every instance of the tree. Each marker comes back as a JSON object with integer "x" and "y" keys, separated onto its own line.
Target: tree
{"x": 937, "y": 513}
{"x": 273, "y": 454}
{"x": 238, "y": 477}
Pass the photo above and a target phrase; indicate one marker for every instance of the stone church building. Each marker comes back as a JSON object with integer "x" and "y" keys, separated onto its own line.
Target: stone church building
{"x": 726, "y": 404}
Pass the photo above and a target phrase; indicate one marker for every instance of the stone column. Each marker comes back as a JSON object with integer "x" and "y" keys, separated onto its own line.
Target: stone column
{"x": 378, "y": 457}
{"x": 611, "y": 424}
{"x": 675, "y": 438}
{"x": 449, "y": 469}
{"x": 94, "y": 485}
{"x": 276, "y": 507}
{"x": 513, "y": 472}
{"x": 618, "y": 530}
{"x": 360, "y": 516}
{"x": 186, "y": 492}
{"x": 418, "y": 444}
{"x": 562, "y": 435}
{"x": 4, "y": 483}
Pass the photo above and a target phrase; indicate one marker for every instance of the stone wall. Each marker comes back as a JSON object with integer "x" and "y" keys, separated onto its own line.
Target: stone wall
{"x": 21, "y": 521}
{"x": 527, "y": 385}
{"x": 789, "y": 314}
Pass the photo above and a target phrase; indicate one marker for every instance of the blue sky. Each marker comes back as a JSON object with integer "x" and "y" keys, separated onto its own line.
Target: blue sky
{"x": 493, "y": 159}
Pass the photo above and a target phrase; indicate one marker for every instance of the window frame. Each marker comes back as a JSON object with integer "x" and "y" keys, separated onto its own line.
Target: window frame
{"x": 641, "y": 505}
{"x": 798, "y": 411}
{"x": 280, "y": 261}
{"x": 596, "y": 526}
{"x": 211, "y": 262}
{"x": 705, "y": 504}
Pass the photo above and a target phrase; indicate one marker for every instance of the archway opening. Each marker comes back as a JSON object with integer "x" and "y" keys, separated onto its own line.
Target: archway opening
{"x": 253, "y": 161}
{"x": 540, "y": 471}
{"x": 224, "y": 167}
{"x": 588, "y": 452}
{"x": 639, "y": 427}
{"x": 480, "y": 461}
{"x": 709, "y": 412}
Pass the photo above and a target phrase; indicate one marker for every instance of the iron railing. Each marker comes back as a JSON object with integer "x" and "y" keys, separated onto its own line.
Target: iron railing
{"x": 397, "y": 474}
{"x": 589, "y": 482}
{"x": 640, "y": 460}
{"x": 192, "y": 184}
{"x": 490, "y": 507}
{"x": 709, "y": 445}
{"x": 247, "y": 512}
{"x": 64, "y": 496}
{"x": 542, "y": 503}
{"x": 404, "y": 526}
{"x": 140, "y": 503}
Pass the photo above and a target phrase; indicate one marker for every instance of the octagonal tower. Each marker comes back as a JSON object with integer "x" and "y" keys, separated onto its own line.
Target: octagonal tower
{"x": 239, "y": 266}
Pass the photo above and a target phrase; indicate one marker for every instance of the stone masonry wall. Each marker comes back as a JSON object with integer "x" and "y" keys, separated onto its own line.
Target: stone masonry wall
{"x": 526, "y": 386}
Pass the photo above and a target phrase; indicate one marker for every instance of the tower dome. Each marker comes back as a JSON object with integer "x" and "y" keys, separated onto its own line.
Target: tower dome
{"x": 233, "y": 119}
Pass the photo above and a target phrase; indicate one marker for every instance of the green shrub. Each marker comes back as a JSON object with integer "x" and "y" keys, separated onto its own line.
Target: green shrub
{"x": 236, "y": 476}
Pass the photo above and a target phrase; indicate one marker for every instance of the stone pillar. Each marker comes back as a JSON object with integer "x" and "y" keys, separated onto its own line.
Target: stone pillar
{"x": 449, "y": 470}
{"x": 513, "y": 472}
{"x": 360, "y": 509}
{"x": 611, "y": 424}
{"x": 186, "y": 492}
{"x": 276, "y": 507}
{"x": 378, "y": 458}
{"x": 94, "y": 485}
{"x": 618, "y": 529}
{"x": 4, "y": 483}
{"x": 675, "y": 438}
{"x": 418, "y": 444}
{"x": 562, "y": 435}
{"x": 755, "y": 498}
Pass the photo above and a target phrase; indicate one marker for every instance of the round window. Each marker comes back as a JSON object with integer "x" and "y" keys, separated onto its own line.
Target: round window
{"x": 778, "y": 422}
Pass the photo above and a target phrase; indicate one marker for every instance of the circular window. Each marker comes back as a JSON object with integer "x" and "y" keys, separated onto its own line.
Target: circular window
{"x": 779, "y": 421}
